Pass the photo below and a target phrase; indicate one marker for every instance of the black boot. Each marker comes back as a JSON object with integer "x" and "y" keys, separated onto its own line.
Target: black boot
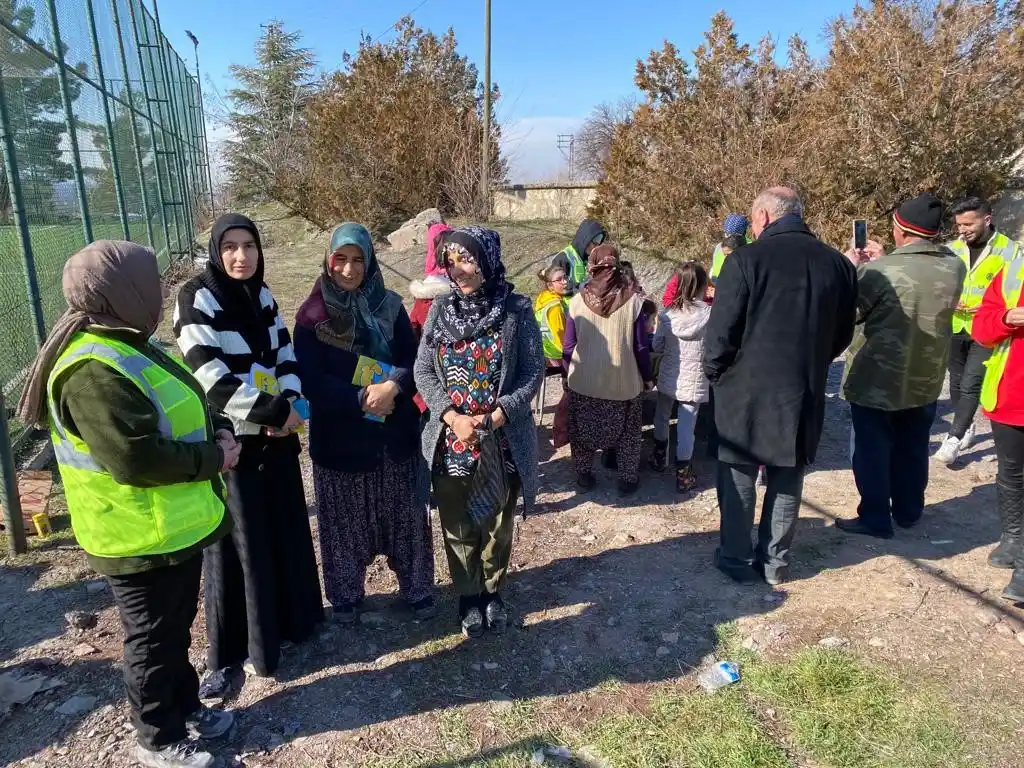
{"x": 1011, "y": 517}
{"x": 659, "y": 456}
{"x": 1015, "y": 589}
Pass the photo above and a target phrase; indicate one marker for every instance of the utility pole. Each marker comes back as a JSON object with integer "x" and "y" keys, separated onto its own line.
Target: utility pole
{"x": 202, "y": 119}
{"x": 485, "y": 167}
{"x": 567, "y": 145}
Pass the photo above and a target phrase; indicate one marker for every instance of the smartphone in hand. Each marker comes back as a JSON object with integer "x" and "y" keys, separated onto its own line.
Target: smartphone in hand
{"x": 860, "y": 234}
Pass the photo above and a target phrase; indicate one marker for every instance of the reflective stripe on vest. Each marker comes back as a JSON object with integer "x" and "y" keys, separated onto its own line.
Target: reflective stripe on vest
{"x": 995, "y": 366}
{"x": 551, "y": 348}
{"x": 577, "y": 266}
{"x": 717, "y": 260}
{"x": 998, "y": 251}
{"x": 111, "y": 519}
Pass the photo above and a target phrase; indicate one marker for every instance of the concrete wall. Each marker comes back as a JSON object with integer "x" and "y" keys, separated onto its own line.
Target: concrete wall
{"x": 522, "y": 202}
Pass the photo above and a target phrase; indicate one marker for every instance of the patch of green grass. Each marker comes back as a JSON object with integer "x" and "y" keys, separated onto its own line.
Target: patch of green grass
{"x": 691, "y": 730}
{"x": 517, "y": 719}
{"x": 453, "y": 731}
{"x": 847, "y": 715}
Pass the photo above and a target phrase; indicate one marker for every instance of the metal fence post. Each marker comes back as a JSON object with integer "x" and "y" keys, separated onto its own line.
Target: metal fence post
{"x": 134, "y": 122}
{"x": 69, "y": 116}
{"x": 16, "y": 542}
{"x": 186, "y": 208}
{"x": 21, "y": 217}
{"x": 122, "y": 208}
{"x": 152, "y": 128}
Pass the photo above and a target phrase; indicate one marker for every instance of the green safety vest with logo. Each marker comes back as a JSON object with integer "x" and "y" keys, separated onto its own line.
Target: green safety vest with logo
{"x": 718, "y": 259}
{"x": 998, "y": 252}
{"x": 995, "y": 366}
{"x": 577, "y": 266}
{"x": 552, "y": 350}
{"x": 114, "y": 520}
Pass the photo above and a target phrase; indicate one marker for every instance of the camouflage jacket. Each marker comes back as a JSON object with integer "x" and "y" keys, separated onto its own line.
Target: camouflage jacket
{"x": 905, "y": 304}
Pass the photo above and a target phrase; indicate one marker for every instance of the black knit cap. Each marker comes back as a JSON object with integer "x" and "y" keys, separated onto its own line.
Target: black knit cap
{"x": 921, "y": 216}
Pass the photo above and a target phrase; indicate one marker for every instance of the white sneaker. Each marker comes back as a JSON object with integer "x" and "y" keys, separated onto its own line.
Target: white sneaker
{"x": 181, "y": 755}
{"x": 968, "y": 439}
{"x": 949, "y": 451}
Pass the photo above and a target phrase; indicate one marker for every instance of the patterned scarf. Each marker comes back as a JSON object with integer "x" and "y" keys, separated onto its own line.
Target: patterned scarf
{"x": 464, "y": 317}
{"x": 361, "y": 321}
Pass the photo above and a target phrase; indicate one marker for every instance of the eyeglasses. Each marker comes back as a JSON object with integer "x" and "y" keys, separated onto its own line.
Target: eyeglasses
{"x": 562, "y": 279}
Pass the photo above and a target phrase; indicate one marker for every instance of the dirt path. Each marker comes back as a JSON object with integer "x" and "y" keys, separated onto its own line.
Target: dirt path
{"x": 609, "y": 599}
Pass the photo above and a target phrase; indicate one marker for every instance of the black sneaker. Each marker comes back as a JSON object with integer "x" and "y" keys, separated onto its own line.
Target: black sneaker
{"x": 423, "y": 609}
{"x": 585, "y": 481}
{"x": 472, "y": 618}
{"x": 206, "y": 723}
{"x": 497, "y": 616}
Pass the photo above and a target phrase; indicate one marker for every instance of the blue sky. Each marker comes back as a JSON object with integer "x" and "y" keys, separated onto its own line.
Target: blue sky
{"x": 554, "y": 59}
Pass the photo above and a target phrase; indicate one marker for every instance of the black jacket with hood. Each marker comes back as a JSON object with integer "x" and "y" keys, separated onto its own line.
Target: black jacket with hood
{"x": 587, "y": 231}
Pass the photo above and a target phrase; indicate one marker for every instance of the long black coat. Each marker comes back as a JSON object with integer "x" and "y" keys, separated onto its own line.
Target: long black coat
{"x": 784, "y": 310}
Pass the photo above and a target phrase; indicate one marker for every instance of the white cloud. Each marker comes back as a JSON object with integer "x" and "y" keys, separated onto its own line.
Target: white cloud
{"x": 530, "y": 145}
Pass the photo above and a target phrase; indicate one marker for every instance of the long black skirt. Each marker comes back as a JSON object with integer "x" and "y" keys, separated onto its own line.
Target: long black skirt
{"x": 261, "y": 585}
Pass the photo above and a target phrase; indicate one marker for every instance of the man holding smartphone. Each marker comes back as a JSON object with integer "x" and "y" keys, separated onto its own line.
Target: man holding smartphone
{"x": 983, "y": 251}
{"x": 896, "y": 365}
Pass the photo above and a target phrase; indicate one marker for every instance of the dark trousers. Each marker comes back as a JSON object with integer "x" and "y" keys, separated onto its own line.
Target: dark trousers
{"x": 966, "y": 373}
{"x": 737, "y": 497}
{"x": 478, "y": 555}
{"x": 890, "y": 464}
{"x": 157, "y": 608}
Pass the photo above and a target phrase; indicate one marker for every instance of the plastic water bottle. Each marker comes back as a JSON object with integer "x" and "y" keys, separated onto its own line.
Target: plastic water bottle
{"x": 719, "y": 675}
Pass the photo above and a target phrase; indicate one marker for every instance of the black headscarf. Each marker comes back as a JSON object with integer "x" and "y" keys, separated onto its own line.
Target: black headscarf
{"x": 466, "y": 317}
{"x": 239, "y": 298}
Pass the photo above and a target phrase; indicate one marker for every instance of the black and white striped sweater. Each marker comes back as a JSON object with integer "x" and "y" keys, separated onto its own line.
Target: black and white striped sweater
{"x": 221, "y": 352}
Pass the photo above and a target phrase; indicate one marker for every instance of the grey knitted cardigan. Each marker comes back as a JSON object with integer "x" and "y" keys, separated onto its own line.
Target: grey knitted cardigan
{"x": 522, "y": 366}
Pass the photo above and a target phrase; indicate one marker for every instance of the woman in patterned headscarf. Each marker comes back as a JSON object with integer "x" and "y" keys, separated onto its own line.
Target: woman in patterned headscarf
{"x": 371, "y": 492}
{"x": 478, "y": 369}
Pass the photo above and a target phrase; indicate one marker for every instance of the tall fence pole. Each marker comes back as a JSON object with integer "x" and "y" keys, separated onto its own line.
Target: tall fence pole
{"x": 134, "y": 123}
{"x": 69, "y": 116}
{"x": 202, "y": 120}
{"x": 122, "y": 208}
{"x": 153, "y": 128}
{"x": 173, "y": 96}
{"x": 20, "y": 216}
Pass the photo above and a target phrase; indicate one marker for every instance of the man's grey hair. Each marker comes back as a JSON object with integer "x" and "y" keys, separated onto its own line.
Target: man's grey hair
{"x": 779, "y": 202}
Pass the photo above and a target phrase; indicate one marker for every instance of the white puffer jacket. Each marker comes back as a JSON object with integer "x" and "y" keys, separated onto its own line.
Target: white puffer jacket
{"x": 680, "y": 337}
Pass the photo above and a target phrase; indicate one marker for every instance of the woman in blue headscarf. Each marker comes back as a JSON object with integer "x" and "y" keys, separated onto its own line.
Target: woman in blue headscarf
{"x": 356, "y": 349}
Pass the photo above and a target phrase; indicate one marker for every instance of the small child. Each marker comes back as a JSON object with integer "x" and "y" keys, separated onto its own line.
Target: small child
{"x": 680, "y": 339}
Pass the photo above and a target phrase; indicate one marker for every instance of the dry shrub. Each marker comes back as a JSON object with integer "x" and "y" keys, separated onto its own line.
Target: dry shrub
{"x": 396, "y": 130}
{"x": 913, "y": 96}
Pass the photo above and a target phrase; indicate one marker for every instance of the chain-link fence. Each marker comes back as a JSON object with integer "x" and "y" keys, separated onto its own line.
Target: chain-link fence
{"x": 102, "y": 137}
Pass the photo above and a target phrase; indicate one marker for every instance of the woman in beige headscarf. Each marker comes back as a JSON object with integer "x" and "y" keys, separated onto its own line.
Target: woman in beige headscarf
{"x": 140, "y": 457}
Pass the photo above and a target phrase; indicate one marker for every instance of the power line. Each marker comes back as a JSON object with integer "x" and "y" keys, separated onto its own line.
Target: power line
{"x": 409, "y": 13}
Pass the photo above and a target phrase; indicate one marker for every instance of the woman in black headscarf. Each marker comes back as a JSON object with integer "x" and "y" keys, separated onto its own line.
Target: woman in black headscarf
{"x": 261, "y": 583}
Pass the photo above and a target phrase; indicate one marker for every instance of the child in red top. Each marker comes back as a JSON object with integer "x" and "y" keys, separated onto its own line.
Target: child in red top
{"x": 434, "y": 283}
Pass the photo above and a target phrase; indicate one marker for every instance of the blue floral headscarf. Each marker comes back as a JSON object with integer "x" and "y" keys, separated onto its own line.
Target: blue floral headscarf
{"x": 361, "y": 321}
